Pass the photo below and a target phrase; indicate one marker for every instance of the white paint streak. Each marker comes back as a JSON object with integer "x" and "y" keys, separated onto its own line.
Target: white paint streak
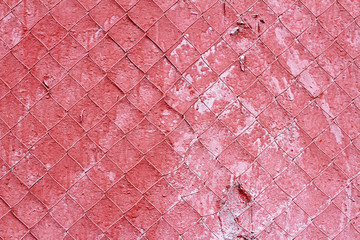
{"x": 335, "y": 130}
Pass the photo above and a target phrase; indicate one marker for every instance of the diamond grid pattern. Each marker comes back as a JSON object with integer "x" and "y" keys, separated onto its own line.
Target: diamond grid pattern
{"x": 187, "y": 119}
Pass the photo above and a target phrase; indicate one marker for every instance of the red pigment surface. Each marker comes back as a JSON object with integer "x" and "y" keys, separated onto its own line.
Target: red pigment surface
{"x": 191, "y": 119}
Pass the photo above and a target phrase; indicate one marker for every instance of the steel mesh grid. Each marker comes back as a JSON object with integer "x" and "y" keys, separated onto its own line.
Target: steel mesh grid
{"x": 250, "y": 200}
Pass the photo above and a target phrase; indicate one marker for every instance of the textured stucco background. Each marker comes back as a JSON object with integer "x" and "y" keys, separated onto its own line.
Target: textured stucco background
{"x": 165, "y": 119}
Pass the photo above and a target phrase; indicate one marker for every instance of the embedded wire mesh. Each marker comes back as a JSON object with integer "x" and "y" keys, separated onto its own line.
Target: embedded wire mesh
{"x": 193, "y": 119}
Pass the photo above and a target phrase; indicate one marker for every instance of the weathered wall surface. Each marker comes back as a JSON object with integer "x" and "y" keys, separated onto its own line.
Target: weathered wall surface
{"x": 196, "y": 119}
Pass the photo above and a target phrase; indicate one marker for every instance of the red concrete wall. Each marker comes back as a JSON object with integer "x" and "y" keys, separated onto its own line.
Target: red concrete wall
{"x": 189, "y": 119}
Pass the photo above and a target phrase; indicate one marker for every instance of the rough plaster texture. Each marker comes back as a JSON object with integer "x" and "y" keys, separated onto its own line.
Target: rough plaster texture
{"x": 164, "y": 119}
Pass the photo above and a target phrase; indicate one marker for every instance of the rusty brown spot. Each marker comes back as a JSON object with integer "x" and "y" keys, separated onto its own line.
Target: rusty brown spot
{"x": 244, "y": 194}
